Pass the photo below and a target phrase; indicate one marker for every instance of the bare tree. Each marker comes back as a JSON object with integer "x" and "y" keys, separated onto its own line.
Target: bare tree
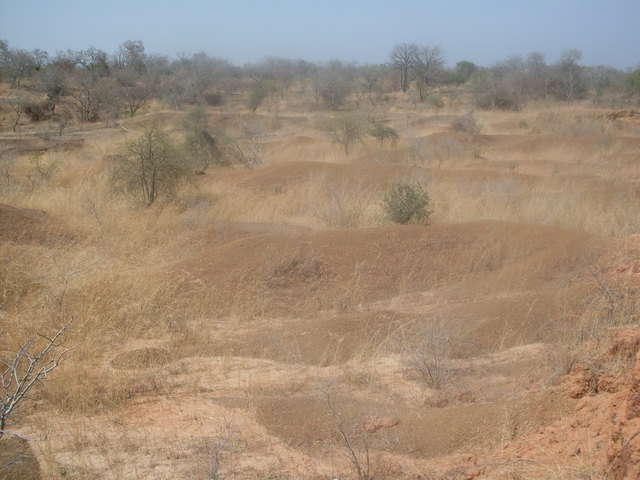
{"x": 15, "y": 63}
{"x": 570, "y": 81}
{"x": 369, "y": 82}
{"x": 333, "y": 84}
{"x": 538, "y": 78}
{"x": 429, "y": 66}
{"x": 131, "y": 55}
{"x": 133, "y": 91}
{"x": 30, "y": 366}
{"x": 40, "y": 58}
{"x": 90, "y": 94}
{"x": 248, "y": 150}
{"x": 403, "y": 59}
{"x": 92, "y": 60}
{"x": 17, "y": 109}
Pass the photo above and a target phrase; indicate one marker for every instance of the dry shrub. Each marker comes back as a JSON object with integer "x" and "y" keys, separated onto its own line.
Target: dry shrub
{"x": 427, "y": 348}
{"x": 587, "y": 340}
{"x": 465, "y": 124}
{"x": 343, "y": 205}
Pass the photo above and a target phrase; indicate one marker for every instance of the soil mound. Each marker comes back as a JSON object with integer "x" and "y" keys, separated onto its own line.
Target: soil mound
{"x": 283, "y": 175}
{"x": 294, "y": 272}
{"x": 141, "y": 359}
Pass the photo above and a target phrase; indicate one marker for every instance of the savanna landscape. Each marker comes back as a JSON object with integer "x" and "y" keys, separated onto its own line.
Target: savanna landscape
{"x": 290, "y": 270}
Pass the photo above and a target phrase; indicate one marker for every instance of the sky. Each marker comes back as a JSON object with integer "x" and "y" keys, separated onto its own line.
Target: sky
{"x": 607, "y": 32}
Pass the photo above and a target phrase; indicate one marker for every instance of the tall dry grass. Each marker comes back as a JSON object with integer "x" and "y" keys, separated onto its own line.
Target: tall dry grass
{"x": 115, "y": 275}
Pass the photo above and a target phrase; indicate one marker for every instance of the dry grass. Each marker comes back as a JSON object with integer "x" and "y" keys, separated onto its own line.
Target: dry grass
{"x": 308, "y": 284}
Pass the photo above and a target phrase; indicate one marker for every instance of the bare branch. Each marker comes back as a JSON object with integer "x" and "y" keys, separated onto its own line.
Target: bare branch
{"x": 26, "y": 369}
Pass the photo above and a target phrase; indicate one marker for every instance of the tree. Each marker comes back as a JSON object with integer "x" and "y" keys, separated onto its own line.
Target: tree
{"x": 632, "y": 83}
{"x": 537, "y": 75}
{"x": 93, "y": 60}
{"x": 17, "y": 105}
{"x": 150, "y": 167}
{"x": 403, "y": 59}
{"x": 345, "y": 129}
{"x": 133, "y": 91}
{"x": 429, "y": 64}
{"x": 90, "y": 94}
{"x": 257, "y": 94}
{"x": 40, "y": 58}
{"x": 30, "y": 366}
{"x": 203, "y": 147}
{"x": 131, "y": 54}
{"x": 52, "y": 82}
{"x": 333, "y": 84}
{"x": 15, "y": 63}
{"x": 463, "y": 71}
{"x": 369, "y": 82}
{"x": 247, "y": 150}
{"x": 570, "y": 83}
{"x": 497, "y": 88}
{"x": 382, "y": 133}
{"x": 601, "y": 78}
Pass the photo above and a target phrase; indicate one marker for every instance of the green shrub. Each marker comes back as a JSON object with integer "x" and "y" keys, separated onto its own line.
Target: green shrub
{"x": 436, "y": 102}
{"x": 405, "y": 201}
{"x": 382, "y": 133}
{"x": 150, "y": 167}
{"x": 213, "y": 99}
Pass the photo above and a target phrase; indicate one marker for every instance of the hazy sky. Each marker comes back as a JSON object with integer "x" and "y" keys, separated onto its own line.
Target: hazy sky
{"x": 481, "y": 31}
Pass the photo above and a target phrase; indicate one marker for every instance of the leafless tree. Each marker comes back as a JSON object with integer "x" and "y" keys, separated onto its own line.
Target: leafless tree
{"x": 403, "y": 59}
{"x": 16, "y": 64}
{"x": 131, "y": 55}
{"x": 40, "y": 58}
{"x": 429, "y": 64}
{"x": 369, "y": 82}
{"x": 570, "y": 81}
{"x": 248, "y": 149}
{"x": 133, "y": 91}
{"x": 93, "y": 60}
{"x": 334, "y": 83}
{"x": 90, "y": 94}
{"x": 52, "y": 81}
{"x": 32, "y": 364}
{"x": 17, "y": 105}
{"x": 538, "y": 75}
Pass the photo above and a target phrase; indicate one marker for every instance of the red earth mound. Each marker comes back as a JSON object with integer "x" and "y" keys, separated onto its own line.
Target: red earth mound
{"x": 601, "y": 438}
{"x": 494, "y": 263}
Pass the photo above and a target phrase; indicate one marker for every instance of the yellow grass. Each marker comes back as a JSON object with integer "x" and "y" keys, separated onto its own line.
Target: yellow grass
{"x": 119, "y": 276}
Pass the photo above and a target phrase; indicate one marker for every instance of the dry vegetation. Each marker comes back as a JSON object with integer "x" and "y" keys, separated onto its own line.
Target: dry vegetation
{"x": 270, "y": 322}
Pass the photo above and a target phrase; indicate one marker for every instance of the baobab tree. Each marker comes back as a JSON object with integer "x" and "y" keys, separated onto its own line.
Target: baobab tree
{"x": 403, "y": 59}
